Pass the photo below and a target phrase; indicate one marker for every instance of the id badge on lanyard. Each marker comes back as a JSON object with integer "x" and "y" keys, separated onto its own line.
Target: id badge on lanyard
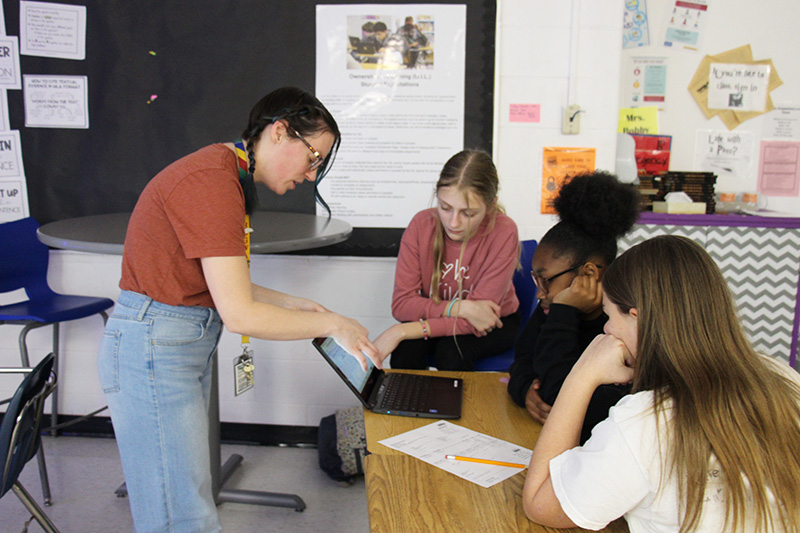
{"x": 243, "y": 365}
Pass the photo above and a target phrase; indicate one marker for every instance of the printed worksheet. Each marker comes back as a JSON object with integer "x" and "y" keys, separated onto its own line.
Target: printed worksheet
{"x": 433, "y": 442}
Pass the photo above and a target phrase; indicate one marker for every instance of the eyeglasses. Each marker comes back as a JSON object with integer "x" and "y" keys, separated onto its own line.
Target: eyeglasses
{"x": 318, "y": 159}
{"x": 543, "y": 284}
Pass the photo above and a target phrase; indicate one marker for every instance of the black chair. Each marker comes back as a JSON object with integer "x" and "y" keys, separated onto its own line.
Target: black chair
{"x": 20, "y": 433}
{"x": 24, "y": 266}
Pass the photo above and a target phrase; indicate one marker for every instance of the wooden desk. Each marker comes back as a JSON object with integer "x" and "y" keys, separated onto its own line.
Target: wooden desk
{"x": 406, "y": 494}
{"x": 272, "y": 233}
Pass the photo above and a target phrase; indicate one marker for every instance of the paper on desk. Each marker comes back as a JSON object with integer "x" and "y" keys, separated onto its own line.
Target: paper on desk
{"x": 432, "y": 442}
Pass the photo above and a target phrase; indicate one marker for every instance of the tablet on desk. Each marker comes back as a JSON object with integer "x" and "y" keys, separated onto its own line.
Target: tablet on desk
{"x": 394, "y": 393}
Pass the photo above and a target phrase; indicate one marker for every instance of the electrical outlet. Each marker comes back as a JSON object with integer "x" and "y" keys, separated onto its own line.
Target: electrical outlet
{"x": 571, "y": 121}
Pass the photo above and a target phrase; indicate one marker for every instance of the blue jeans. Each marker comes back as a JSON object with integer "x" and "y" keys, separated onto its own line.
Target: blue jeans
{"x": 155, "y": 366}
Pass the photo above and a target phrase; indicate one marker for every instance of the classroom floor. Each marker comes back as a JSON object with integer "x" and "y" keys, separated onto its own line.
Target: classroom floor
{"x": 84, "y": 472}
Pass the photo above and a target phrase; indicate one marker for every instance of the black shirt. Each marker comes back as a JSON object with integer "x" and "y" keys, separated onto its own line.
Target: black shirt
{"x": 547, "y": 348}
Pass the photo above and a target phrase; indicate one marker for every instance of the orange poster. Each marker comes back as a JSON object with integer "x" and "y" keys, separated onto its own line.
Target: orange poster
{"x": 559, "y": 166}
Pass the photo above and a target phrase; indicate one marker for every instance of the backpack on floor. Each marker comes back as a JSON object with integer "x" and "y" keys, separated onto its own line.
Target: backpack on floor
{"x": 342, "y": 444}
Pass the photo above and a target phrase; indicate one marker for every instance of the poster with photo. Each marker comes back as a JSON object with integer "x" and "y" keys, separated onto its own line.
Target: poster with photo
{"x": 400, "y": 111}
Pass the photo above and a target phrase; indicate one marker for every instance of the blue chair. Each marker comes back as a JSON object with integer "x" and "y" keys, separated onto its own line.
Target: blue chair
{"x": 526, "y": 293}
{"x": 20, "y": 435}
{"x": 24, "y": 266}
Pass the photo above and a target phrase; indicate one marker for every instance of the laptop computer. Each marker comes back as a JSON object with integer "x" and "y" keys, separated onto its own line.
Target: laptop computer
{"x": 394, "y": 393}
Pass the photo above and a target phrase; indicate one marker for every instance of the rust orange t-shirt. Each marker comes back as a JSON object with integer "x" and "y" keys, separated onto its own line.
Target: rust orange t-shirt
{"x": 193, "y": 208}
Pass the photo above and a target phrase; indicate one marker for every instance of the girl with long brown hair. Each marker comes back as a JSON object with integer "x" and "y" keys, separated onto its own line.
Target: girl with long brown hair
{"x": 707, "y": 441}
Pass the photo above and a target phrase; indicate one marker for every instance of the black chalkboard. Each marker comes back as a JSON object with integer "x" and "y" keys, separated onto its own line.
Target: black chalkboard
{"x": 208, "y": 62}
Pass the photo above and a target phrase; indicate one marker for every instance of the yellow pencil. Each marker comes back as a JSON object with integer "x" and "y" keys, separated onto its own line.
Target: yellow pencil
{"x": 484, "y": 461}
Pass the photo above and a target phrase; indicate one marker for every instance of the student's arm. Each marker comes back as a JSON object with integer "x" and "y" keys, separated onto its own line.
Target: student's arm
{"x": 564, "y": 335}
{"x": 558, "y": 347}
{"x": 387, "y": 341}
{"x": 413, "y": 272}
{"x": 264, "y": 316}
{"x": 524, "y": 383}
{"x": 604, "y": 361}
{"x": 491, "y": 280}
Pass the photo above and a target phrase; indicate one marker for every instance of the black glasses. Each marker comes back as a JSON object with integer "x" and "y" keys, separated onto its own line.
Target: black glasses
{"x": 543, "y": 284}
{"x": 318, "y": 159}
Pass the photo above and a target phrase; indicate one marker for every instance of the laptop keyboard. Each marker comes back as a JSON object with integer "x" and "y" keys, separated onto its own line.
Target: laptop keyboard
{"x": 406, "y": 392}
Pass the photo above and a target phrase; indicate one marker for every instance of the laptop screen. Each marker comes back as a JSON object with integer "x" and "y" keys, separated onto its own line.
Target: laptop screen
{"x": 347, "y": 365}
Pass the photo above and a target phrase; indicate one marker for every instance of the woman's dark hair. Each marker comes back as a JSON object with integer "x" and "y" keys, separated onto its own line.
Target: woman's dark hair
{"x": 305, "y": 115}
{"x": 594, "y": 210}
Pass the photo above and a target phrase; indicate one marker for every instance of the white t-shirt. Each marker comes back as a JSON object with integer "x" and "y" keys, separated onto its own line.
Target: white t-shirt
{"x": 618, "y": 470}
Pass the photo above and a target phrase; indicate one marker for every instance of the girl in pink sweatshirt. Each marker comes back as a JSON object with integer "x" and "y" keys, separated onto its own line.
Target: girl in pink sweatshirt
{"x": 453, "y": 293}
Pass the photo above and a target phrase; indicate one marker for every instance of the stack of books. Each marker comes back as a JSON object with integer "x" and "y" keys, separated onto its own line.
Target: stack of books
{"x": 699, "y": 186}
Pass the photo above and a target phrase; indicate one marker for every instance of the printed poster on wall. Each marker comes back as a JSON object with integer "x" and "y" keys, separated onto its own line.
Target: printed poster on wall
{"x": 685, "y": 23}
{"x": 645, "y": 80}
{"x": 13, "y": 189}
{"x": 56, "y": 101}
{"x": 559, "y": 166}
{"x": 635, "y": 30}
{"x": 9, "y": 63}
{"x": 393, "y": 77}
{"x": 52, "y": 30}
{"x": 779, "y": 170}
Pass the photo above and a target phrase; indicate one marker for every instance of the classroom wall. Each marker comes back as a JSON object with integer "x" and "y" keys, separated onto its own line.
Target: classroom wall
{"x": 770, "y": 28}
{"x": 294, "y": 386}
{"x": 553, "y": 53}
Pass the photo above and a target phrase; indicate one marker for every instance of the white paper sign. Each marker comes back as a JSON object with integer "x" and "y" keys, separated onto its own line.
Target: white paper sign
{"x": 4, "y": 124}
{"x": 52, "y": 30}
{"x": 13, "y": 189}
{"x": 56, "y": 101}
{"x": 13, "y": 200}
{"x": 9, "y": 63}
{"x": 11, "y": 155}
{"x": 728, "y": 154}
{"x": 737, "y": 86}
{"x": 783, "y": 122}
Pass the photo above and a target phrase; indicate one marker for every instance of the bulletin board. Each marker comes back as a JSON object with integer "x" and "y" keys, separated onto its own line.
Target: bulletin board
{"x": 167, "y": 78}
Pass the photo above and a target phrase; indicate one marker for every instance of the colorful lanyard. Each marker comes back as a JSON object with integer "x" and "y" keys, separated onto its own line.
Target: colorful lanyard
{"x": 243, "y": 173}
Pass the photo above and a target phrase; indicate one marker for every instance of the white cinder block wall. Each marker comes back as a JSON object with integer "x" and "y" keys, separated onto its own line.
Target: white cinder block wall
{"x": 553, "y": 53}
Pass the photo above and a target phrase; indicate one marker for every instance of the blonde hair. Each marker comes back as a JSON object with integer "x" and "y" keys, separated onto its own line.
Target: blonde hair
{"x": 470, "y": 171}
{"x": 725, "y": 399}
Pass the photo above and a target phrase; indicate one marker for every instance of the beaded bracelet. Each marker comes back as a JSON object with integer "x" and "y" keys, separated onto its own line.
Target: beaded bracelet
{"x": 424, "y": 328}
{"x": 450, "y": 307}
